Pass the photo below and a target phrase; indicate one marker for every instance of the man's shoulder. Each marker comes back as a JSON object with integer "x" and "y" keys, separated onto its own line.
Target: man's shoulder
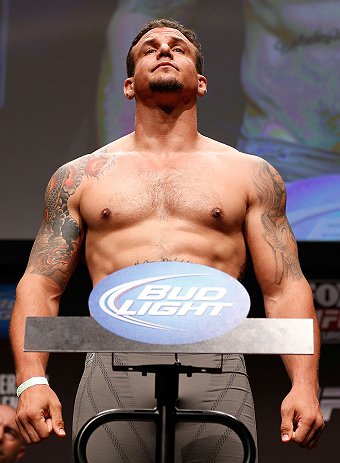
{"x": 250, "y": 169}
{"x": 228, "y": 152}
{"x": 101, "y": 155}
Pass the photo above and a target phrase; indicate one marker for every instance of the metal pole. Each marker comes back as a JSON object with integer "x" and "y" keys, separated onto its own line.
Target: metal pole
{"x": 166, "y": 393}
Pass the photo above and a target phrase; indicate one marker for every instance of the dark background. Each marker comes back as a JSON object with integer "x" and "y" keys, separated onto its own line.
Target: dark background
{"x": 54, "y": 56}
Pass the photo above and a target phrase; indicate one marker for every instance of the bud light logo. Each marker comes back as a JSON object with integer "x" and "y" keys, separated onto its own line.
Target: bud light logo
{"x": 169, "y": 303}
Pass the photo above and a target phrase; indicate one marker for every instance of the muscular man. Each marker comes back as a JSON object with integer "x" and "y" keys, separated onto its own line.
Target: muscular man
{"x": 165, "y": 192}
{"x": 11, "y": 442}
{"x": 290, "y": 75}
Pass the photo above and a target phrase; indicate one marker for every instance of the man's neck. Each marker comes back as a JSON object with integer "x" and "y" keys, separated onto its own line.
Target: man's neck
{"x": 165, "y": 130}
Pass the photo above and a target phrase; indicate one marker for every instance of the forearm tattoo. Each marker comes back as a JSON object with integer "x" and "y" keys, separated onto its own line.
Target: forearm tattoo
{"x": 55, "y": 251}
{"x": 277, "y": 231}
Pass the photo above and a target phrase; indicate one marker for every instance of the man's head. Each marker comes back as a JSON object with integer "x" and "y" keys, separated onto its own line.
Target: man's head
{"x": 11, "y": 442}
{"x": 164, "y": 66}
{"x": 169, "y": 23}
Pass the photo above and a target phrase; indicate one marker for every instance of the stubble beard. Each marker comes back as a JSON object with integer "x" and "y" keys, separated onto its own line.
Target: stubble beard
{"x": 165, "y": 86}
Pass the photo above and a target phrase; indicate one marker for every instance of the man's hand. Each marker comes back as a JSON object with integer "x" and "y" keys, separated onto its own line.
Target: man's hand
{"x": 38, "y": 413}
{"x": 302, "y": 419}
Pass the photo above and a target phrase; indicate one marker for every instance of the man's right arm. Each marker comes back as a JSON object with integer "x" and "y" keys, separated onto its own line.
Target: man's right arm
{"x": 54, "y": 256}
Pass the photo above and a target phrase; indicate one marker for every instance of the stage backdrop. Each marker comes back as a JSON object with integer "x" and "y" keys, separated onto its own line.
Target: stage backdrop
{"x": 273, "y": 70}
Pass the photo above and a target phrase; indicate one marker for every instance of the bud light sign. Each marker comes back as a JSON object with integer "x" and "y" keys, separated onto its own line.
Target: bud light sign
{"x": 169, "y": 303}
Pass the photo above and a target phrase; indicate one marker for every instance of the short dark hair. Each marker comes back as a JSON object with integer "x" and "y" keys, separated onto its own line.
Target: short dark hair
{"x": 173, "y": 24}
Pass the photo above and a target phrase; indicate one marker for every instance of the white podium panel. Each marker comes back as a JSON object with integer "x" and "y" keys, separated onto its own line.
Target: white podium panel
{"x": 251, "y": 336}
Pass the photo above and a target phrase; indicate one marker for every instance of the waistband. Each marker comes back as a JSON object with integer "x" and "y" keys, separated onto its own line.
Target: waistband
{"x": 228, "y": 362}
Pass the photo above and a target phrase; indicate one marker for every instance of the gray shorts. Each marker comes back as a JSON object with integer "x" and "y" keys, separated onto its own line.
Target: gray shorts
{"x": 101, "y": 389}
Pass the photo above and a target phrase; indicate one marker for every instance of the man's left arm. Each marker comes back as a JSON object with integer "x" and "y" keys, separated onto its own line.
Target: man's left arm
{"x": 287, "y": 294}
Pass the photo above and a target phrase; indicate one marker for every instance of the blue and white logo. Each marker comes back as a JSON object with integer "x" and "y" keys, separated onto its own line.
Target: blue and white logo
{"x": 169, "y": 303}
{"x": 7, "y": 299}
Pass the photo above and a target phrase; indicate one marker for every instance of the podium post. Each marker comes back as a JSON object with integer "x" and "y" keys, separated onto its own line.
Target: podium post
{"x": 252, "y": 336}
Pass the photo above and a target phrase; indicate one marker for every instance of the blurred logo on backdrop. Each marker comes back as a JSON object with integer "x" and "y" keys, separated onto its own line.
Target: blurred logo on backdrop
{"x": 8, "y": 389}
{"x": 329, "y": 398}
{"x": 7, "y": 298}
{"x": 313, "y": 208}
{"x": 326, "y": 295}
{"x": 7, "y": 380}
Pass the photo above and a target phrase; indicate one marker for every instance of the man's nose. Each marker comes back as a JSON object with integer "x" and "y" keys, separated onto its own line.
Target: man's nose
{"x": 1, "y": 433}
{"x": 165, "y": 50}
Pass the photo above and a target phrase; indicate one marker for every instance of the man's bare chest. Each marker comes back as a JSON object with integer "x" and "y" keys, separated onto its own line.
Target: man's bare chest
{"x": 198, "y": 194}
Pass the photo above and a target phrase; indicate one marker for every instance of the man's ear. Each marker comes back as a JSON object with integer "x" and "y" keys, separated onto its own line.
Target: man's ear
{"x": 21, "y": 453}
{"x": 202, "y": 85}
{"x": 129, "y": 91}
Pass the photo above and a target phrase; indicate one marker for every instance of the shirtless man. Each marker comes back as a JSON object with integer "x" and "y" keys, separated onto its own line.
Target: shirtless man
{"x": 290, "y": 75}
{"x": 164, "y": 192}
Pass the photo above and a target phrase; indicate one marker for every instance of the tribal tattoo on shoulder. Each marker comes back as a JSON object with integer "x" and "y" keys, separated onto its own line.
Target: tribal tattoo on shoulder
{"x": 55, "y": 251}
{"x": 277, "y": 231}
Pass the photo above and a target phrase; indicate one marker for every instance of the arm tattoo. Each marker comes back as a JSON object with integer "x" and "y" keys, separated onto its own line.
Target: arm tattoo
{"x": 277, "y": 231}
{"x": 55, "y": 251}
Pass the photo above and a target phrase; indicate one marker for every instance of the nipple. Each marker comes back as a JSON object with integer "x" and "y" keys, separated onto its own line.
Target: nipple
{"x": 106, "y": 213}
{"x": 217, "y": 213}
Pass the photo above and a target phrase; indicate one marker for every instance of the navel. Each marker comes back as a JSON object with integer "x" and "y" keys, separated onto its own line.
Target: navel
{"x": 217, "y": 213}
{"x": 106, "y": 213}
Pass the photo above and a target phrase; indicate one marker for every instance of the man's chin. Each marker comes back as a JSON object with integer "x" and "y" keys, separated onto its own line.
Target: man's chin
{"x": 165, "y": 86}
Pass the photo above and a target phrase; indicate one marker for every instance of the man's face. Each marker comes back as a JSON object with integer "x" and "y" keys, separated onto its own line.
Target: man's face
{"x": 11, "y": 448}
{"x": 165, "y": 61}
